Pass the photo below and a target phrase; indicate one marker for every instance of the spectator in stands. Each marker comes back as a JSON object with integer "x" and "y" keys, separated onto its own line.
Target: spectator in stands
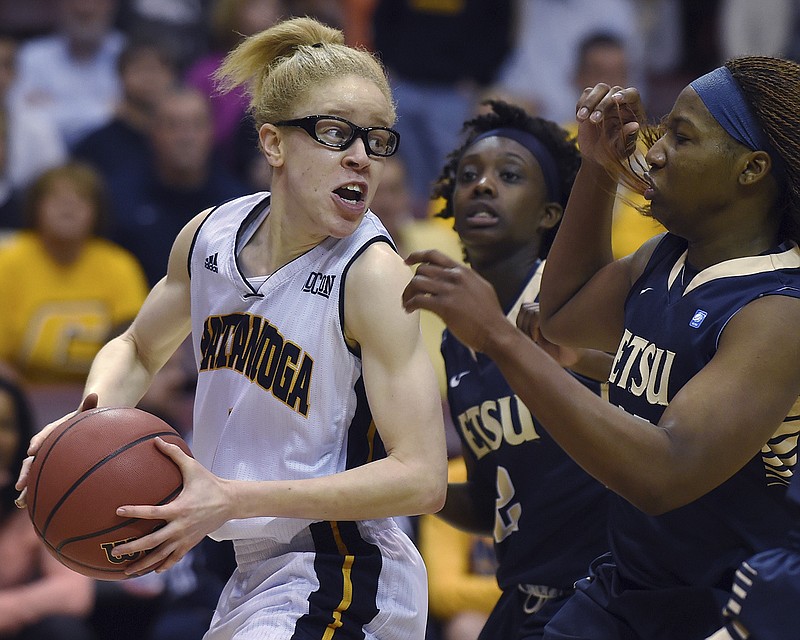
{"x": 603, "y": 57}
{"x": 8, "y": 201}
{"x": 72, "y": 74}
{"x": 539, "y": 74}
{"x": 231, "y": 20}
{"x": 440, "y": 56}
{"x": 30, "y": 141}
{"x": 122, "y": 145}
{"x": 72, "y": 290}
{"x": 392, "y": 202}
{"x": 179, "y": 25}
{"x": 764, "y": 28}
{"x": 153, "y": 203}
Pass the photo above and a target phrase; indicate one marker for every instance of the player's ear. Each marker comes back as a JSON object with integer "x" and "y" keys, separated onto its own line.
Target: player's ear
{"x": 551, "y": 216}
{"x": 270, "y": 141}
{"x": 757, "y": 165}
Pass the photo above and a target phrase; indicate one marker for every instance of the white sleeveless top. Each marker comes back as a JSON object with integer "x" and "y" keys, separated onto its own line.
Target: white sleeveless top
{"x": 279, "y": 393}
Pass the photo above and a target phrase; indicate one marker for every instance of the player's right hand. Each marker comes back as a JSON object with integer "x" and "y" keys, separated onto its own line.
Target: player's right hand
{"x": 608, "y": 122}
{"x": 89, "y": 402}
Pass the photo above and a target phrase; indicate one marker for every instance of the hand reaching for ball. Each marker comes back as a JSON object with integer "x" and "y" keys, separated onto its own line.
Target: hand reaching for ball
{"x": 89, "y": 402}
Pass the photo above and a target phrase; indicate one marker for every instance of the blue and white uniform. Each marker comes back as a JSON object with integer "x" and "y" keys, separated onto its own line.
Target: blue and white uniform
{"x": 766, "y": 588}
{"x": 280, "y": 396}
{"x": 671, "y": 573}
{"x": 550, "y": 518}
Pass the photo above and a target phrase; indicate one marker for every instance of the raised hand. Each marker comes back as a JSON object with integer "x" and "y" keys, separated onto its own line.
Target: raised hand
{"x": 609, "y": 120}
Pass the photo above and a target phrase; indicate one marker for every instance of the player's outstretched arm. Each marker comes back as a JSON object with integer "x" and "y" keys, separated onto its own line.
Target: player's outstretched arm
{"x": 745, "y": 392}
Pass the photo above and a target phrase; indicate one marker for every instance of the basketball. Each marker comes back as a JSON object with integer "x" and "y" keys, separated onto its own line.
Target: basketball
{"x": 89, "y": 465}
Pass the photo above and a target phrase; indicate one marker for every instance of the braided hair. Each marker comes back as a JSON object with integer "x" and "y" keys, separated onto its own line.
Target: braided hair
{"x": 772, "y": 88}
{"x": 504, "y": 115}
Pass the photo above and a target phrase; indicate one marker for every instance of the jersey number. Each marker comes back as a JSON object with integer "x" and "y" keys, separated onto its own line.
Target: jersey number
{"x": 507, "y": 514}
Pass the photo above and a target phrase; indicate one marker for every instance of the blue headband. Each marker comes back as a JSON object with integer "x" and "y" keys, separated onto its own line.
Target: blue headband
{"x": 547, "y": 162}
{"x": 724, "y": 99}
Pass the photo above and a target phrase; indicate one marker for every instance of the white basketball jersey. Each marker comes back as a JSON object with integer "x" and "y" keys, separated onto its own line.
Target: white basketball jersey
{"x": 280, "y": 395}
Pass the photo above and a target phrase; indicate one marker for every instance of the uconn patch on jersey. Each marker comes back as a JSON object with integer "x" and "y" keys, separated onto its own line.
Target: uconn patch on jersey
{"x": 320, "y": 284}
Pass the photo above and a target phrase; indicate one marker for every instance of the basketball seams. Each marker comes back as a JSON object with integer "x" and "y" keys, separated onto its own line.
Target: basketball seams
{"x": 65, "y": 558}
{"x": 76, "y": 483}
{"x": 121, "y": 525}
{"x": 99, "y": 464}
{"x": 80, "y": 418}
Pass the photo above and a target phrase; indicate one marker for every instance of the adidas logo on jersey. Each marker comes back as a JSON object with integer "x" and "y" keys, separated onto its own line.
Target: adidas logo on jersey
{"x": 211, "y": 263}
{"x": 319, "y": 284}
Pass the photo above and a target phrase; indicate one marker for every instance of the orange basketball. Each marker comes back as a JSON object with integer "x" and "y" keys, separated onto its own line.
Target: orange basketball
{"x": 89, "y": 465}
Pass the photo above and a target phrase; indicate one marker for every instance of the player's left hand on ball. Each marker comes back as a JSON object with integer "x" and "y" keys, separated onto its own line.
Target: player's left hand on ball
{"x": 200, "y": 508}
{"x": 21, "y": 485}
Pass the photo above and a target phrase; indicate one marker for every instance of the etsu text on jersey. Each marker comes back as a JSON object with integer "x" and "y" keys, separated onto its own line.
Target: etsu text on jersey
{"x": 486, "y": 426}
{"x": 642, "y": 368}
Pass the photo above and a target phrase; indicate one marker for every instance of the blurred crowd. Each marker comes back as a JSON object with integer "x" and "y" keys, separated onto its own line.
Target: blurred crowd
{"x": 112, "y": 136}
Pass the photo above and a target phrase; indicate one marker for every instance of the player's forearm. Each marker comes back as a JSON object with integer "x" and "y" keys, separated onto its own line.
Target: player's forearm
{"x": 627, "y": 454}
{"x": 593, "y": 364}
{"x": 380, "y": 489}
{"x": 118, "y": 375}
{"x": 583, "y": 243}
{"x": 462, "y": 511}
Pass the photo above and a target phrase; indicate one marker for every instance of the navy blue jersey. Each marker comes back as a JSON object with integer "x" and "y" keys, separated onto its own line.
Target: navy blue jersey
{"x": 550, "y": 517}
{"x": 766, "y": 588}
{"x": 672, "y": 332}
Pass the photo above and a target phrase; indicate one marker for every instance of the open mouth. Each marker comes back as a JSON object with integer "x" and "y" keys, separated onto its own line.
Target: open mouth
{"x": 351, "y": 193}
{"x": 482, "y": 218}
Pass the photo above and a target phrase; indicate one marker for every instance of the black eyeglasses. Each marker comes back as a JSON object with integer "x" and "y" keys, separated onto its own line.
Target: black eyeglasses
{"x": 338, "y": 133}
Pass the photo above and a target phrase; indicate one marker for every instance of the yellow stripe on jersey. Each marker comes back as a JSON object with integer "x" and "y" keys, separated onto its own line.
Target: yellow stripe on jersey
{"x": 347, "y": 583}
